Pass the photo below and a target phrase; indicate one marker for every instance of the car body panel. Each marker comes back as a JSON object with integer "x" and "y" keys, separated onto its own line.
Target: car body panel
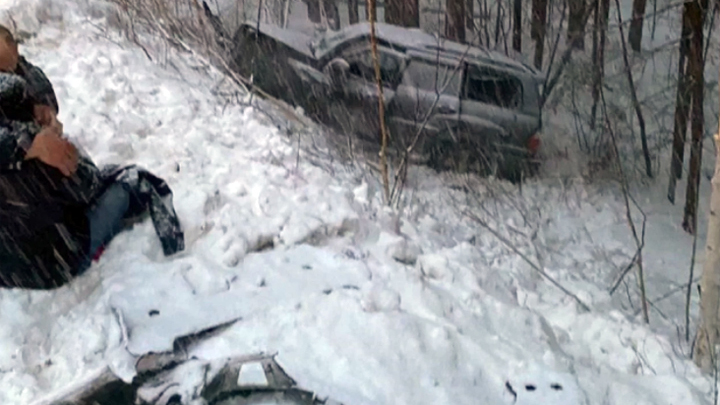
{"x": 296, "y": 68}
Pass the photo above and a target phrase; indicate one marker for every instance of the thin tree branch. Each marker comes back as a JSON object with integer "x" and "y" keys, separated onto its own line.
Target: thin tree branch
{"x": 628, "y": 212}
{"x": 633, "y": 94}
{"x": 381, "y": 104}
{"x": 532, "y": 264}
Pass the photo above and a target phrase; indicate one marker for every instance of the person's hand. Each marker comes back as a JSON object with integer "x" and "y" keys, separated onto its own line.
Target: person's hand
{"x": 45, "y": 116}
{"x": 50, "y": 148}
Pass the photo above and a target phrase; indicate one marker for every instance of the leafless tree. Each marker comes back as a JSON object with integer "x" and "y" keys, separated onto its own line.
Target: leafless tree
{"x": 316, "y": 9}
{"x": 500, "y": 28}
{"x": 353, "y": 16}
{"x": 455, "y": 20}
{"x": 709, "y": 328}
{"x": 682, "y": 108}
{"x": 576, "y": 24}
{"x": 402, "y": 12}
{"x": 633, "y": 94}
{"x": 601, "y": 12}
{"x": 636, "y": 25}
{"x": 696, "y": 11}
{"x": 538, "y": 29}
{"x": 470, "y": 18}
{"x": 517, "y": 25}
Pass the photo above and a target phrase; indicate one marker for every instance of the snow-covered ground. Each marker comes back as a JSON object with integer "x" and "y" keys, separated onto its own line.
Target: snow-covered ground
{"x": 430, "y": 308}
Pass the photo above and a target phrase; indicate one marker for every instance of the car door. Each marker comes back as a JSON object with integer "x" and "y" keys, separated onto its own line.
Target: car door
{"x": 427, "y": 101}
{"x": 491, "y": 104}
{"x": 354, "y": 105}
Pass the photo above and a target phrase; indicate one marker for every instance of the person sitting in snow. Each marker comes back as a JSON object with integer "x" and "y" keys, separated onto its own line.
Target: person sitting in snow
{"x": 57, "y": 209}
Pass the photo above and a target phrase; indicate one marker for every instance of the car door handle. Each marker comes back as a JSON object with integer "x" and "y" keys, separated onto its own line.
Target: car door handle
{"x": 443, "y": 109}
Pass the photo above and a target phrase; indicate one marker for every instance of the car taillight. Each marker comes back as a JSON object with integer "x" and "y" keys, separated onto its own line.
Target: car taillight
{"x": 533, "y": 144}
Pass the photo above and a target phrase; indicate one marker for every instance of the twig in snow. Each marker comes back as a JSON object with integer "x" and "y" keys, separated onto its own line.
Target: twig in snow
{"x": 517, "y": 251}
{"x": 639, "y": 240}
{"x": 674, "y": 290}
{"x": 689, "y": 287}
{"x": 624, "y": 273}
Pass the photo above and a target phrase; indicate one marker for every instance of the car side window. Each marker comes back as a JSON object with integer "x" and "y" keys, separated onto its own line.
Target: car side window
{"x": 434, "y": 77}
{"x": 493, "y": 87}
{"x": 361, "y": 64}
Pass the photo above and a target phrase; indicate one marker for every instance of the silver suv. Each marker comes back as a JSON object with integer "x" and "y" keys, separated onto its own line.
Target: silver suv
{"x": 462, "y": 103}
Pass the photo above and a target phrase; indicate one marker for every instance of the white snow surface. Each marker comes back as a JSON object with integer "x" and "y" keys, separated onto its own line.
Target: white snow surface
{"x": 360, "y": 305}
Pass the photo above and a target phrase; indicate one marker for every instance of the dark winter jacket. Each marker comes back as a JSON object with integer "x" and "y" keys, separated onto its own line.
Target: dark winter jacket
{"x": 44, "y": 230}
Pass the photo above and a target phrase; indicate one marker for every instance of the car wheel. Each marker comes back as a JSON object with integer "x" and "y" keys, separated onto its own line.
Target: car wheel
{"x": 459, "y": 157}
{"x": 517, "y": 168}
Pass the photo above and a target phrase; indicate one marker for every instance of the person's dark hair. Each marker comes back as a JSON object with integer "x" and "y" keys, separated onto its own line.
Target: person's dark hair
{"x": 7, "y": 35}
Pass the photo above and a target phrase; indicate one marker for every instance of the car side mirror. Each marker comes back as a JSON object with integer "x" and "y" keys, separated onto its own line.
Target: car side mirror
{"x": 337, "y": 70}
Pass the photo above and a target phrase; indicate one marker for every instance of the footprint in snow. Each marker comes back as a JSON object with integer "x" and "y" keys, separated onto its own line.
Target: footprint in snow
{"x": 542, "y": 387}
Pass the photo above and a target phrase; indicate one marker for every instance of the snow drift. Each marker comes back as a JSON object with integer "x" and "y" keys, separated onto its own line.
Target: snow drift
{"x": 360, "y": 304}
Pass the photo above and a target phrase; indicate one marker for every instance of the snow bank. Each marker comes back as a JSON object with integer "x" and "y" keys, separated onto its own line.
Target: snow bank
{"x": 311, "y": 263}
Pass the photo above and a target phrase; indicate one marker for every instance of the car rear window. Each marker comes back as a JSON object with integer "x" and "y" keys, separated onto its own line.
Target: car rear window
{"x": 490, "y": 86}
{"x": 435, "y": 77}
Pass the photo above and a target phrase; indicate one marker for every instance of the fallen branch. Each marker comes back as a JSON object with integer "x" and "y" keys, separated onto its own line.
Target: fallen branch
{"x": 624, "y": 273}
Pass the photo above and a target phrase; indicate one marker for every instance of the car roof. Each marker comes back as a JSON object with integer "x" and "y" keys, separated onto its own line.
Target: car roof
{"x": 414, "y": 41}
{"x": 422, "y": 43}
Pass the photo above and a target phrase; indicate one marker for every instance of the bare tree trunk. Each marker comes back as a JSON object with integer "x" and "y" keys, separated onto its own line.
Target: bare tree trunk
{"x": 538, "y": 29}
{"x": 286, "y": 14}
{"x": 484, "y": 17}
{"x": 370, "y": 16}
{"x": 393, "y": 12}
{"x": 709, "y": 328}
{"x": 455, "y": 20}
{"x": 402, "y": 12}
{"x": 576, "y": 24}
{"x": 353, "y": 15}
{"x": 602, "y": 14}
{"x": 470, "y": 18}
{"x": 636, "y": 25}
{"x": 313, "y": 11}
{"x": 381, "y": 103}
{"x": 332, "y": 14}
{"x": 498, "y": 22}
{"x": 697, "y": 85}
{"x": 517, "y": 25}
{"x": 682, "y": 107}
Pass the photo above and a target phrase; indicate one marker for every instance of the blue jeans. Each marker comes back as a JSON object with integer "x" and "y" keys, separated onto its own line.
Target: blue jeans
{"x": 106, "y": 219}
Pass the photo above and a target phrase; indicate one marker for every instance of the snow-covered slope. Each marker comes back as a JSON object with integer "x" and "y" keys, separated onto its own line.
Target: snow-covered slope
{"x": 302, "y": 251}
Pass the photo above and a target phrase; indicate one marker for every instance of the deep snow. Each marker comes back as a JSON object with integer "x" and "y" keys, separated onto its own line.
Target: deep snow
{"x": 346, "y": 318}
